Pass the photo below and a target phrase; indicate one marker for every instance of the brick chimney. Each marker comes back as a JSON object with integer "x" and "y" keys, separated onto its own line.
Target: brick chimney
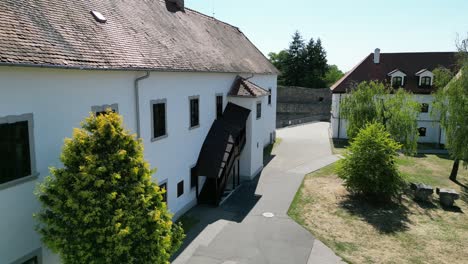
{"x": 377, "y": 56}
{"x": 179, "y": 3}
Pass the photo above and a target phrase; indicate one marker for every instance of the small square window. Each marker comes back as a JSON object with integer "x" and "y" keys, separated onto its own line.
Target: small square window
{"x": 164, "y": 195}
{"x": 194, "y": 111}
{"x": 259, "y": 110}
{"x": 180, "y": 188}
{"x": 193, "y": 177}
{"x": 422, "y": 131}
{"x": 424, "y": 108}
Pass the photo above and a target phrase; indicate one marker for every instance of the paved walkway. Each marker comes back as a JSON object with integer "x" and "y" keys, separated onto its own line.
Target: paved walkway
{"x": 237, "y": 232}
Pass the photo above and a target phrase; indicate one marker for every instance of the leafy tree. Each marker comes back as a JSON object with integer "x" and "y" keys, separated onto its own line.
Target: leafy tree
{"x": 368, "y": 167}
{"x": 102, "y": 206}
{"x": 332, "y": 75}
{"x": 451, "y": 104}
{"x": 373, "y": 102}
{"x": 279, "y": 60}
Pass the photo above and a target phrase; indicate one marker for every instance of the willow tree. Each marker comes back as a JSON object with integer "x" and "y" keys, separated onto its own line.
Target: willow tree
{"x": 451, "y": 104}
{"x": 102, "y": 206}
{"x": 373, "y": 102}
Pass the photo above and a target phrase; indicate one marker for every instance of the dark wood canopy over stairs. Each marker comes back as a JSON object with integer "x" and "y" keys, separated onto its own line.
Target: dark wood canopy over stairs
{"x": 220, "y": 153}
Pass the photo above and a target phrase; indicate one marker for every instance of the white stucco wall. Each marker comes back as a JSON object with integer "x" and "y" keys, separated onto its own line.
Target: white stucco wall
{"x": 433, "y": 131}
{"x": 59, "y": 99}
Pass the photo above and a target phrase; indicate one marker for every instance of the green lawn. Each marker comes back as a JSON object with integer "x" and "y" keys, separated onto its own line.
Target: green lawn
{"x": 403, "y": 232}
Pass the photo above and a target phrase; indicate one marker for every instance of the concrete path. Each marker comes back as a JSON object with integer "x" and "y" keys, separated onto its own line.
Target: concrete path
{"x": 238, "y": 232}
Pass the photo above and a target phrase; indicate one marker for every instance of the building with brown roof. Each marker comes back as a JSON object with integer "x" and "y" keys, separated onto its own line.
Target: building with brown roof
{"x": 197, "y": 92}
{"x": 411, "y": 71}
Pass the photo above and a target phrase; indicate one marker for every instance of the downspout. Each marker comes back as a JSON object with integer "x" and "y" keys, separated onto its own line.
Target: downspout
{"x": 137, "y": 101}
{"x": 339, "y": 116}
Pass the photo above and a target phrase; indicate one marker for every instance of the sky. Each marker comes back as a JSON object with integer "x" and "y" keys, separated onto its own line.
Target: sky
{"x": 349, "y": 29}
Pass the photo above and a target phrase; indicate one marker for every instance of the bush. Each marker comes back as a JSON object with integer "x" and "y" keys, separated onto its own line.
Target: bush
{"x": 102, "y": 206}
{"x": 368, "y": 167}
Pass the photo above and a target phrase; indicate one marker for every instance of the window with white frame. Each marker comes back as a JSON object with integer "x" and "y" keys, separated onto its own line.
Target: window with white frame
{"x": 17, "y": 159}
{"x": 397, "y": 81}
{"x": 425, "y": 81}
{"x": 397, "y": 78}
{"x": 101, "y": 109}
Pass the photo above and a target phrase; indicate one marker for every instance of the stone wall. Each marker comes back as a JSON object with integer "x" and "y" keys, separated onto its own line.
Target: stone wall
{"x": 297, "y": 105}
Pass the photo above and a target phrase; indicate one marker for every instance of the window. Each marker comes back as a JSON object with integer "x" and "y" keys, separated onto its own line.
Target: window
{"x": 32, "y": 260}
{"x": 425, "y": 81}
{"x": 269, "y": 96}
{"x": 397, "y": 81}
{"x": 219, "y": 106}
{"x": 180, "y": 188}
{"x": 259, "y": 110}
{"x": 194, "y": 112}
{"x": 163, "y": 186}
{"x": 101, "y": 109}
{"x": 17, "y": 148}
{"x": 158, "y": 112}
{"x": 424, "y": 108}
{"x": 422, "y": 131}
{"x": 193, "y": 177}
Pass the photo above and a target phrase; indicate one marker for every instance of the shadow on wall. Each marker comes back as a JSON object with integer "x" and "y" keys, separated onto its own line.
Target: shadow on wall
{"x": 297, "y": 105}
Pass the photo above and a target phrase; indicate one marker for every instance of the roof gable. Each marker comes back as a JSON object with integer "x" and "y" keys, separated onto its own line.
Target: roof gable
{"x": 409, "y": 63}
{"x": 244, "y": 88}
{"x": 147, "y": 35}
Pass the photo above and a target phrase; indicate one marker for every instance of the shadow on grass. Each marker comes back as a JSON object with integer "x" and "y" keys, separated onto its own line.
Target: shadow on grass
{"x": 386, "y": 218}
{"x": 453, "y": 209}
{"x": 428, "y": 205}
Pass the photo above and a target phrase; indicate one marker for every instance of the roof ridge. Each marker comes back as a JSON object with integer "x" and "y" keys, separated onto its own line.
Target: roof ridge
{"x": 206, "y": 16}
{"x": 234, "y": 27}
{"x": 418, "y": 52}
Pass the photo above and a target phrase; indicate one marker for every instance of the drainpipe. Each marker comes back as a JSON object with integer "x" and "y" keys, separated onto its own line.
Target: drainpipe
{"x": 339, "y": 116}
{"x": 137, "y": 101}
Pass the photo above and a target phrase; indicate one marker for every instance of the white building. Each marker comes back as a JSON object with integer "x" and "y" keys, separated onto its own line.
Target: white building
{"x": 411, "y": 71}
{"x": 168, "y": 70}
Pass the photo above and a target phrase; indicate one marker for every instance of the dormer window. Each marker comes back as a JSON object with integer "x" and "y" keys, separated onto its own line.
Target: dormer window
{"x": 425, "y": 81}
{"x": 397, "y": 81}
{"x": 397, "y": 78}
{"x": 425, "y": 78}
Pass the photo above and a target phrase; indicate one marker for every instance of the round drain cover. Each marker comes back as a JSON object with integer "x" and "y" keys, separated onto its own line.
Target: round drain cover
{"x": 268, "y": 215}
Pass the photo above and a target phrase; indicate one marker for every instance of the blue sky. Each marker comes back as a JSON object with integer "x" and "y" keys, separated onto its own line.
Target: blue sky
{"x": 349, "y": 29}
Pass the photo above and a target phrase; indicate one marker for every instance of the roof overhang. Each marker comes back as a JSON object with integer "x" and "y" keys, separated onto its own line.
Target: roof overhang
{"x": 396, "y": 72}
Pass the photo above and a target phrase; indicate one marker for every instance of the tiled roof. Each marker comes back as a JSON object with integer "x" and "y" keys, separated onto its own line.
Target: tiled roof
{"x": 140, "y": 35}
{"x": 245, "y": 88}
{"x": 409, "y": 63}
